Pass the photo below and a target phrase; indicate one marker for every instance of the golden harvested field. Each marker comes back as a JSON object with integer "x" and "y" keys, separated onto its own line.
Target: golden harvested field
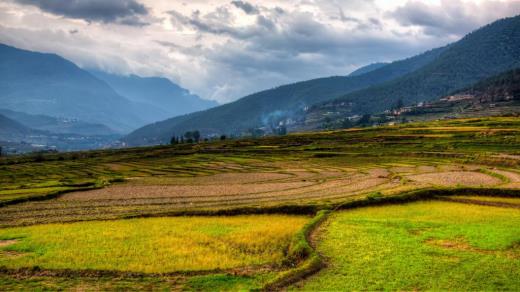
{"x": 183, "y": 191}
{"x": 512, "y": 176}
{"x": 220, "y": 178}
{"x": 152, "y": 245}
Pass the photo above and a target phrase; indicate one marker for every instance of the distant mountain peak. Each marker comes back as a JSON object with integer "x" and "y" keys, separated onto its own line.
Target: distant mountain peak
{"x": 47, "y": 84}
{"x": 158, "y": 92}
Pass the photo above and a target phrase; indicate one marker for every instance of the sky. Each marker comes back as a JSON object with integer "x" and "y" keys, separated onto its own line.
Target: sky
{"x": 223, "y": 50}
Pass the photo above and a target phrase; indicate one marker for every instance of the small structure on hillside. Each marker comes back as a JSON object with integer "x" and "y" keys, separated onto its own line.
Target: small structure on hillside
{"x": 458, "y": 97}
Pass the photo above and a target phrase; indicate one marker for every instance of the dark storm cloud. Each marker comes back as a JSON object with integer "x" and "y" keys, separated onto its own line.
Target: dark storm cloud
{"x": 219, "y": 23}
{"x": 247, "y": 7}
{"x": 291, "y": 44}
{"x": 128, "y": 12}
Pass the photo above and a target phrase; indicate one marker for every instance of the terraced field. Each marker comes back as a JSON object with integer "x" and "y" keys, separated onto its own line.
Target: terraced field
{"x": 310, "y": 186}
{"x": 284, "y": 181}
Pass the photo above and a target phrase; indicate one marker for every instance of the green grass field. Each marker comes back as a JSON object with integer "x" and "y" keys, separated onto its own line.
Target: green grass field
{"x": 511, "y": 201}
{"x": 420, "y": 246}
{"x": 236, "y": 214}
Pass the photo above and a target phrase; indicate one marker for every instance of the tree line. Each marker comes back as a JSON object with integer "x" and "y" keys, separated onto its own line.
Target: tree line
{"x": 190, "y": 137}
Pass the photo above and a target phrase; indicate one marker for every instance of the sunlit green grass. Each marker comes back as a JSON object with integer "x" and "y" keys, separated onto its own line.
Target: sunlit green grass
{"x": 154, "y": 244}
{"x": 32, "y": 192}
{"x": 46, "y": 283}
{"x": 211, "y": 282}
{"x": 421, "y": 246}
{"x": 515, "y": 201}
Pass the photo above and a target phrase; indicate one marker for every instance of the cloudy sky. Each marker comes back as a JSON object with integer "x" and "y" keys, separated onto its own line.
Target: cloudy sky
{"x": 223, "y": 50}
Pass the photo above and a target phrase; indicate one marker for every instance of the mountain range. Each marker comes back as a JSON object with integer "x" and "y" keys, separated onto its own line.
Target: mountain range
{"x": 487, "y": 51}
{"x": 270, "y": 106}
{"x": 12, "y": 128}
{"x": 57, "y": 125}
{"x": 46, "y": 84}
{"x": 493, "y": 49}
{"x": 47, "y": 94}
{"x": 159, "y": 96}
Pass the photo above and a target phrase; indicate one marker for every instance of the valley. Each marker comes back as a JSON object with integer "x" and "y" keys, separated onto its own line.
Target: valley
{"x": 259, "y": 145}
{"x": 242, "y": 183}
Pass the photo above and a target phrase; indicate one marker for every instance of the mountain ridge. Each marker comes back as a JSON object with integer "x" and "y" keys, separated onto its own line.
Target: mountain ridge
{"x": 43, "y": 83}
{"x": 167, "y": 98}
{"x": 57, "y": 125}
{"x": 255, "y": 109}
{"x": 488, "y": 51}
{"x": 10, "y": 127}
{"x": 368, "y": 68}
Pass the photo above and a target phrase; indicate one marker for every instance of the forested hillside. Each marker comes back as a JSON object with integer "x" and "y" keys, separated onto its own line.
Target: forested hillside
{"x": 283, "y": 102}
{"x": 488, "y": 51}
{"x": 502, "y": 86}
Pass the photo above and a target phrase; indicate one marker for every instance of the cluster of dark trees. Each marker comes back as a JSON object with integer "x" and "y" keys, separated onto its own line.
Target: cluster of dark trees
{"x": 190, "y": 137}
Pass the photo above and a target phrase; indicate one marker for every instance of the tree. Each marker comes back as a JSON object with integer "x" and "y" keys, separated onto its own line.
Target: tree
{"x": 399, "y": 103}
{"x": 365, "y": 120}
{"x": 174, "y": 140}
{"x": 189, "y": 137}
{"x": 256, "y": 132}
{"x": 1, "y": 150}
{"x": 222, "y": 137}
{"x": 196, "y": 136}
{"x": 346, "y": 123}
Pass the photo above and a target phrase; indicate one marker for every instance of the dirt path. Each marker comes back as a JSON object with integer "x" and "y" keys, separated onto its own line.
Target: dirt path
{"x": 4, "y": 243}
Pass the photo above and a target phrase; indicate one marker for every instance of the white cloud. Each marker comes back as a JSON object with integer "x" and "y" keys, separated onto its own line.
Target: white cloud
{"x": 225, "y": 50}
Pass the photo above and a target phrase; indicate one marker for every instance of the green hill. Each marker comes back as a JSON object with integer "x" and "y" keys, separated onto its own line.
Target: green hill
{"x": 495, "y": 96}
{"x": 486, "y": 52}
{"x": 505, "y": 86}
